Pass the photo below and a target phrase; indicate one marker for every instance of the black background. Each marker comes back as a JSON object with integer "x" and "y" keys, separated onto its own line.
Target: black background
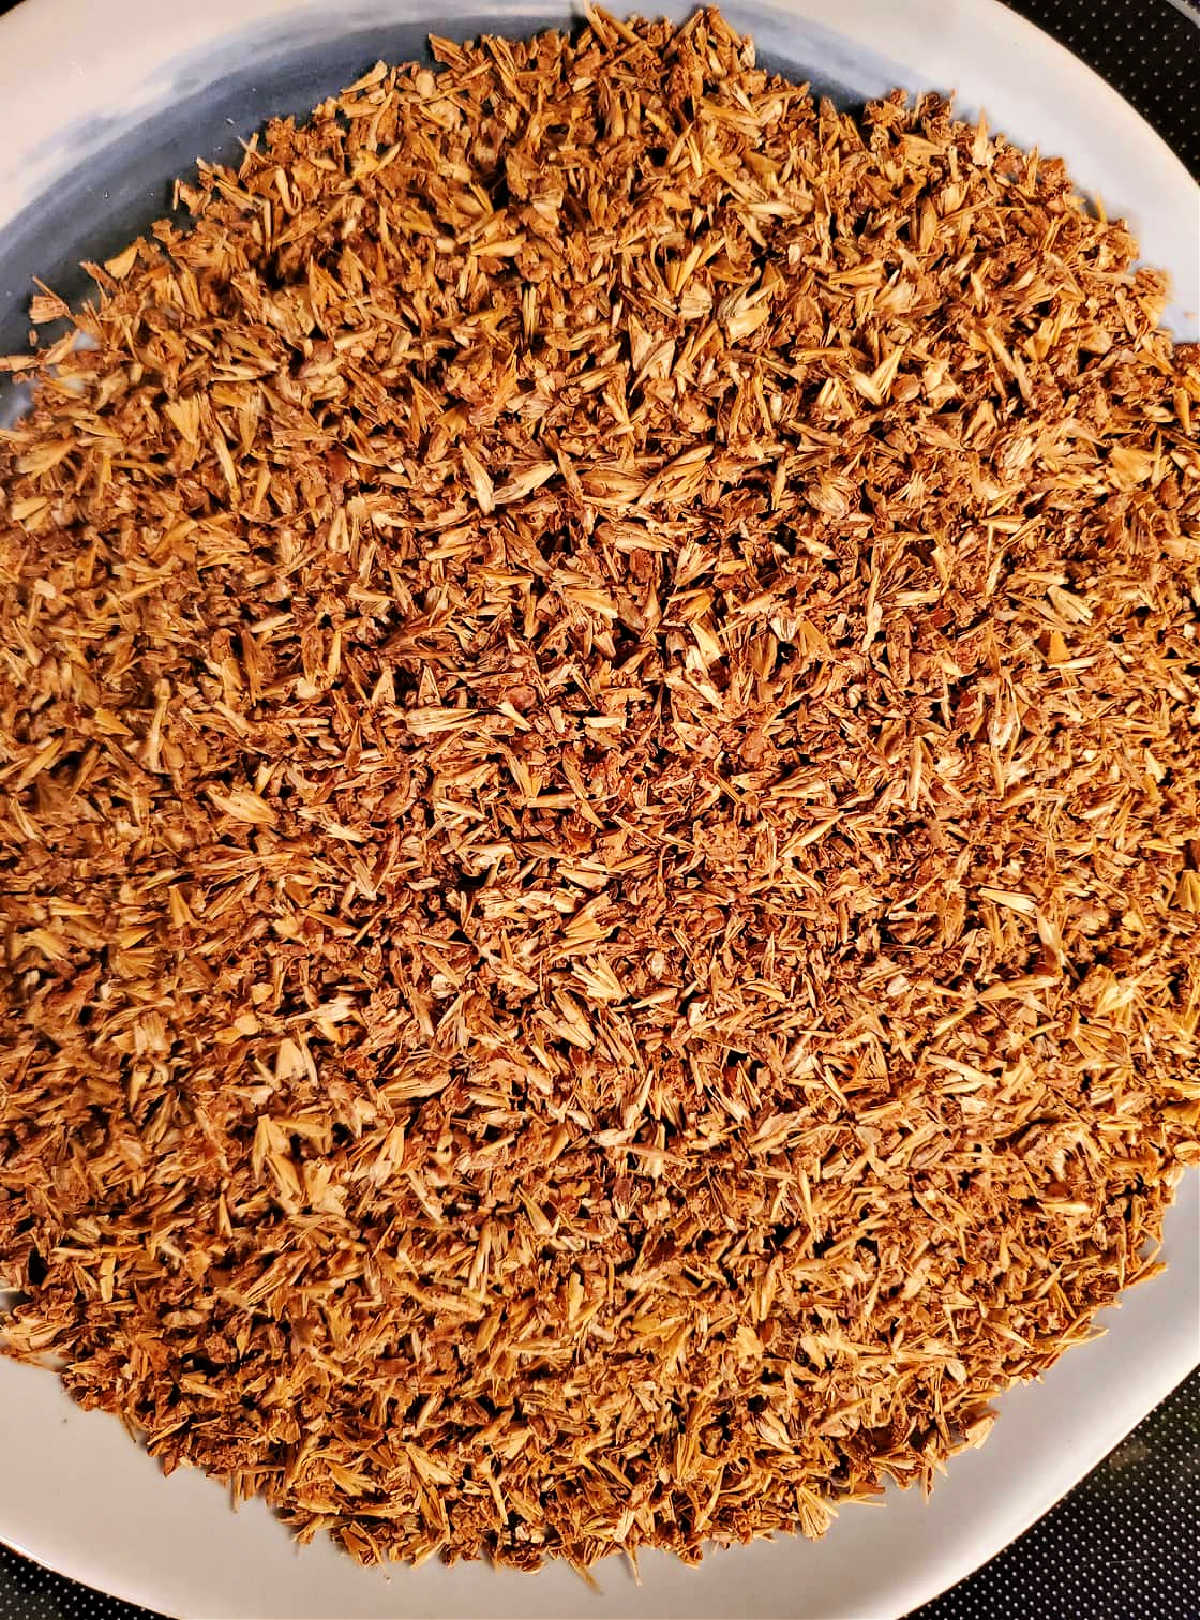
{"x": 1125, "y": 1544}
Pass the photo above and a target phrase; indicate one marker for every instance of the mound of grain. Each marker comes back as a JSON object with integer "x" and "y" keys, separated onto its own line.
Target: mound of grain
{"x": 599, "y": 694}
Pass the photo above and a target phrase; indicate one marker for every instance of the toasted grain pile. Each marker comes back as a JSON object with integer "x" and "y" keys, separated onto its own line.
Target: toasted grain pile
{"x": 600, "y": 708}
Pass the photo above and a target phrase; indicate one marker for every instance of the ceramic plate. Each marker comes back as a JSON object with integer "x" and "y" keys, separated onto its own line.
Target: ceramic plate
{"x": 100, "y": 105}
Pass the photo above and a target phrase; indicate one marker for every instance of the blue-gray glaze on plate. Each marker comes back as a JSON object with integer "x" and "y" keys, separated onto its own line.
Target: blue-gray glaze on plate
{"x": 217, "y": 100}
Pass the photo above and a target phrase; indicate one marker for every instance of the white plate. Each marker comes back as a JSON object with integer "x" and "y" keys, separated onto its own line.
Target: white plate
{"x": 84, "y": 87}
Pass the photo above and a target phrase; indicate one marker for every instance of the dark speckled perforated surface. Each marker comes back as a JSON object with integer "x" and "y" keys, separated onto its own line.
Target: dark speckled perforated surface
{"x": 1125, "y": 1544}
